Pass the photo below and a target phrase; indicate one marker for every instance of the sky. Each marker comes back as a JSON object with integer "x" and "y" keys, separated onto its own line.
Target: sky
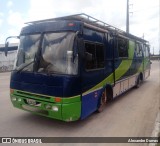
{"x": 144, "y": 15}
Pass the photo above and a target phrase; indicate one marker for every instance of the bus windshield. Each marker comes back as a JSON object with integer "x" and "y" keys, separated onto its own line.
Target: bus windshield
{"x": 26, "y": 52}
{"x": 49, "y": 52}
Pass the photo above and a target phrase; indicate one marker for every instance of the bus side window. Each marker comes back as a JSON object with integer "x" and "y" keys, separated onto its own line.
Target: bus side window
{"x": 94, "y": 56}
{"x": 147, "y": 51}
{"x": 90, "y": 62}
{"x": 138, "y": 50}
{"x": 122, "y": 47}
{"x": 144, "y": 50}
{"x": 100, "y": 55}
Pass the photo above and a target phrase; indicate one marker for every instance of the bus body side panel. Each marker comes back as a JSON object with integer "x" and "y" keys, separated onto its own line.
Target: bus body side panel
{"x": 123, "y": 70}
{"x": 90, "y": 77}
{"x": 126, "y": 72}
{"x": 90, "y": 102}
{"x": 93, "y": 82}
{"x": 146, "y": 63}
{"x": 146, "y": 68}
{"x": 137, "y": 62}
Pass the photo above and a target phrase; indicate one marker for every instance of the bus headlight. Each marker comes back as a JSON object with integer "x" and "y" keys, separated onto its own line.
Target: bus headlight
{"x": 13, "y": 98}
{"x": 55, "y": 108}
{"x": 19, "y": 99}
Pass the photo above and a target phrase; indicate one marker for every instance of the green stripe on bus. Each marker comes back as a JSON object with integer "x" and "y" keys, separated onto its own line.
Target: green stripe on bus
{"x": 120, "y": 71}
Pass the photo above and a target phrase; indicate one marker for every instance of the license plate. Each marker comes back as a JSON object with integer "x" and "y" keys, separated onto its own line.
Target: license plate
{"x": 31, "y": 101}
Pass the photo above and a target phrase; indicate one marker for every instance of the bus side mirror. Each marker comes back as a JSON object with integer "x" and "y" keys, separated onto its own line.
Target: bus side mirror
{"x": 6, "y": 48}
{"x": 7, "y": 44}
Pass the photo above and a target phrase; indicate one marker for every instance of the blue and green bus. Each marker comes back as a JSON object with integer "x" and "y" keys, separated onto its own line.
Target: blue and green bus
{"x": 69, "y": 67}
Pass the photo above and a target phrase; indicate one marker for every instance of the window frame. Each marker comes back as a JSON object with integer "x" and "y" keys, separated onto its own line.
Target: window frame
{"x": 95, "y": 44}
{"x": 127, "y": 46}
{"x": 147, "y": 51}
{"x": 140, "y": 47}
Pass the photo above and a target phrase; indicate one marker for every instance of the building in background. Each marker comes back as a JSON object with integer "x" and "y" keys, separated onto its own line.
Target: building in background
{"x": 6, "y": 63}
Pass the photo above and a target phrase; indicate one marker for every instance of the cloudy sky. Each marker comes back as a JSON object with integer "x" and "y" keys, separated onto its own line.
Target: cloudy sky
{"x": 144, "y": 16}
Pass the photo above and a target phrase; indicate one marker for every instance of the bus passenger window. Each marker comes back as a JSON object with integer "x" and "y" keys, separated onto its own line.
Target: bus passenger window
{"x": 94, "y": 58}
{"x": 138, "y": 50}
{"x": 100, "y": 56}
{"x": 122, "y": 47}
{"x": 147, "y": 51}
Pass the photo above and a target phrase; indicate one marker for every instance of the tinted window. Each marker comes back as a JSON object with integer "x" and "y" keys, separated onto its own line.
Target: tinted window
{"x": 94, "y": 56}
{"x": 147, "y": 51}
{"x": 138, "y": 50}
{"x": 26, "y": 52}
{"x": 57, "y": 54}
{"x": 122, "y": 47}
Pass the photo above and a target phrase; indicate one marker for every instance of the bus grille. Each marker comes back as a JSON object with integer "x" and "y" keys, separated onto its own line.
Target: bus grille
{"x": 30, "y": 94}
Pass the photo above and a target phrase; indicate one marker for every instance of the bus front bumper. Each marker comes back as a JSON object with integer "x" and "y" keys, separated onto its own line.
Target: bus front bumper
{"x": 66, "y": 109}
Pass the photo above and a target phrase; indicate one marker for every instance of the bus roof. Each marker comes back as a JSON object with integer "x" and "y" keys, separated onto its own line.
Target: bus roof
{"x": 94, "y": 22}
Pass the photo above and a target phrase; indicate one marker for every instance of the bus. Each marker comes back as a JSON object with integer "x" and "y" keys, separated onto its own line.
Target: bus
{"x": 69, "y": 67}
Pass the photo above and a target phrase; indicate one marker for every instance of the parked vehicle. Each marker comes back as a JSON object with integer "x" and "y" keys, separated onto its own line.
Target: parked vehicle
{"x": 69, "y": 67}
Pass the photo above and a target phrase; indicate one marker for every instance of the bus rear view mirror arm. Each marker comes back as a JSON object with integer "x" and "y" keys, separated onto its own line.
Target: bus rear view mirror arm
{"x": 6, "y": 48}
{"x": 7, "y": 43}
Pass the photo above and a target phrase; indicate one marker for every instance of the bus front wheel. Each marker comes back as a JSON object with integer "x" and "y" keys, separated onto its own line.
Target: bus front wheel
{"x": 102, "y": 102}
{"x": 107, "y": 96}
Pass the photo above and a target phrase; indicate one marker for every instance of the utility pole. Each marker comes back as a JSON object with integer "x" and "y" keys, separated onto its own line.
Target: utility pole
{"x": 159, "y": 28}
{"x": 127, "y": 17}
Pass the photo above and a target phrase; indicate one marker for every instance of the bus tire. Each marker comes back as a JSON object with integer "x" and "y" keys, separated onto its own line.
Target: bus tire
{"x": 138, "y": 82}
{"x": 103, "y": 102}
{"x": 107, "y": 96}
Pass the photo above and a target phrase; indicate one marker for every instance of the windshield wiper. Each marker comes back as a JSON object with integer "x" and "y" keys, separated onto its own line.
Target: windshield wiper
{"x": 24, "y": 66}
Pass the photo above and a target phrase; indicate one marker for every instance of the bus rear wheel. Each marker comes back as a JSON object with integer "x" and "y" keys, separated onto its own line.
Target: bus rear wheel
{"x": 139, "y": 81}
